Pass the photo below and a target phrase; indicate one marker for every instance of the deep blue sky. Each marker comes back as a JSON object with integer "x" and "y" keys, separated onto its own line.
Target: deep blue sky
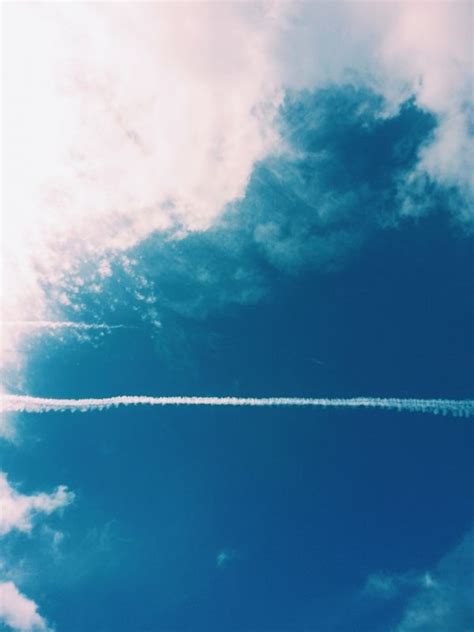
{"x": 303, "y": 506}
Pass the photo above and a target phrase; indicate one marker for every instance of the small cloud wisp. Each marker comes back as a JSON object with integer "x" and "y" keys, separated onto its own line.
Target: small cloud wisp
{"x": 17, "y": 511}
{"x": 52, "y": 325}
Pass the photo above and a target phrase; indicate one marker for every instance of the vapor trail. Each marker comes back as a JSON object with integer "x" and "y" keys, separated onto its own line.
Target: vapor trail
{"x": 57, "y": 324}
{"x": 27, "y": 404}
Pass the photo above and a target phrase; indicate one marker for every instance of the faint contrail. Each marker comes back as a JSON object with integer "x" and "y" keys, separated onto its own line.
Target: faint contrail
{"x": 57, "y": 324}
{"x": 27, "y": 404}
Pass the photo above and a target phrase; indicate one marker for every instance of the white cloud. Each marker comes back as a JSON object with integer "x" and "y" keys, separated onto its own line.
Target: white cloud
{"x": 17, "y": 611}
{"x": 18, "y": 511}
{"x": 400, "y": 49}
{"x": 429, "y": 47}
{"x": 146, "y": 117}
{"x": 150, "y": 117}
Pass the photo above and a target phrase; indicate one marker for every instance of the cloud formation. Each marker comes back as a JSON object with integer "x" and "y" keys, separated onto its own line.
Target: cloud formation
{"x": 402, "y": 49}
{"x": 446, "y": 602}
{"x": 18, "y": 612}
{"x": 18, "y": 511}
{"x": 389, "y": 585}
{"x": 128, "y": 120}
{"x": 134, "y": 130}
{"x": 438, "y": 600}
{"x": 151, "y": 118}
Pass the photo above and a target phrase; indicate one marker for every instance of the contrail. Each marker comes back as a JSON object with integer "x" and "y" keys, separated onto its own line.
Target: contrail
{"x": 27, "y": 404}
{"x": 58, "y": 324}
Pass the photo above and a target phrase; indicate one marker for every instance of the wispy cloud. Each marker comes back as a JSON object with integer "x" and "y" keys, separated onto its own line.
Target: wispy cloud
{"x": 225, "y": 557}
{"x": 437, "y": 600}
{"x": 53, "y": 325}
{"x": 18, "y": 511}
{"x": 389, "y": 585}
{"x": 27, "y": 404}
{"x": 446, "y": 600}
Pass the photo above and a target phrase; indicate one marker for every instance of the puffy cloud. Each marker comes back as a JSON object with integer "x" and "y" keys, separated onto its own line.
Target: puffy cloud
{"x": 402, "y": 49}
{"x": 341, "y": 178}
{"x": 18, "y": 612}
{"x": 17, "y": 511}
{"x": 123, "y": 120}
{"x": 428, "y": 46}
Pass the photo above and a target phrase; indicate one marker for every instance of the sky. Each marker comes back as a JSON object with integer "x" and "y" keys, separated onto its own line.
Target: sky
{"x": 237, "y": 200}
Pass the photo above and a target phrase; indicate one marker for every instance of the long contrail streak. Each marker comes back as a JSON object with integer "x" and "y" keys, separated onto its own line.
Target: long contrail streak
{"x": 27, "y": 404}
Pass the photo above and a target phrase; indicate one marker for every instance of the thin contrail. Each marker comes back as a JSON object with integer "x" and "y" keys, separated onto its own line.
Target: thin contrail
{"x": 57, "y": 324}
{"x": 27, "y": 404}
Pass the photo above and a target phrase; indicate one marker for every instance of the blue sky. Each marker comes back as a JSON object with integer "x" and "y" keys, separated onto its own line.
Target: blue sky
{"x": 258, "y": 201}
